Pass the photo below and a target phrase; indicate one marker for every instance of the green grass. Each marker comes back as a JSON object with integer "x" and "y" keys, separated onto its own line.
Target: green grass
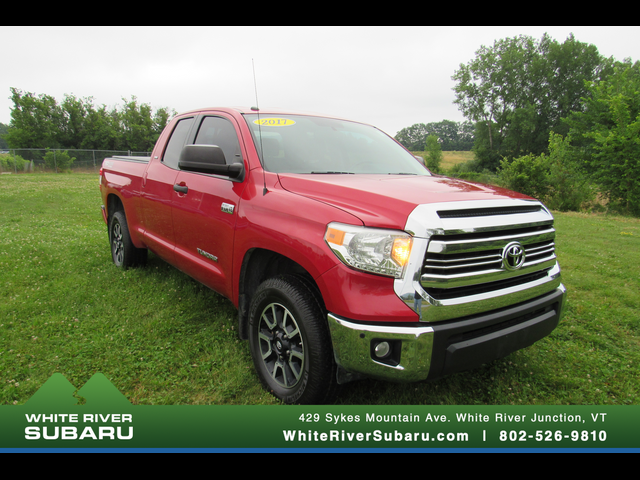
{"x": 162, "y": 338}
{"x": 450, "y": 158}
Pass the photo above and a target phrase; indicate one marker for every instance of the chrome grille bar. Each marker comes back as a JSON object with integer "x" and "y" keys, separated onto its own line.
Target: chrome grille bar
{"x": 455, "y": 261}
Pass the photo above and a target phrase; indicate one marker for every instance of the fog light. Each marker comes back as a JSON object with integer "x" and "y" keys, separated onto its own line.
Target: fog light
{"x": 382, "y": 349}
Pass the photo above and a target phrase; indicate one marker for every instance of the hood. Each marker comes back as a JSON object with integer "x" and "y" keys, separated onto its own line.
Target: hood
{"x": 387, "y": 200}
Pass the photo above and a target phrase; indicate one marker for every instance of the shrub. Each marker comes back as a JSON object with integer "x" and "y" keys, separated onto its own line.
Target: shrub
{"x": 13, "y": 163}
{"x": 58, "y": 161}
{"x": 473, "y": 172}
{"x": 569, "y": 187}
{"x": 555, "y": 179}
{"x": 528, "y": 174}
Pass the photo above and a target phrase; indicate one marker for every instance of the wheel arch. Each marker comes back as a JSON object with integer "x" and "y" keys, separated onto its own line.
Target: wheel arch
{"x": 259, "y": 265}
{"x": 114, "y": 204}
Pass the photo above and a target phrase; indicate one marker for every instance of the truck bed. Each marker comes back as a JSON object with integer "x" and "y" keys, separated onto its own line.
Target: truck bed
{"x": 132, "y": 158}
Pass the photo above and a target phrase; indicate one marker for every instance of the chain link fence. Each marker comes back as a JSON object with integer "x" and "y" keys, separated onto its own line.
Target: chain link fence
{"x": 29, "y": 160}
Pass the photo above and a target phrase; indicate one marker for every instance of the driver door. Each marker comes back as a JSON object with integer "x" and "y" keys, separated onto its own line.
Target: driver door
{"x": 205, "y": 211}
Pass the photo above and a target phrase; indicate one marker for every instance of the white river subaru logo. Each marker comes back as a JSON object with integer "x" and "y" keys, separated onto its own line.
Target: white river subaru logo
{"x": 513, "y": 256}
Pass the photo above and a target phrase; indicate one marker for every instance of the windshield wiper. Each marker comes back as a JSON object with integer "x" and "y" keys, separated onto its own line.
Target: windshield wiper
{"x": 330, "y": 172}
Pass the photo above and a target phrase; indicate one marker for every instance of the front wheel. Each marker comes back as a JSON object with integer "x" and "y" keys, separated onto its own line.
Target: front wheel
{"x": 290, "y": 342}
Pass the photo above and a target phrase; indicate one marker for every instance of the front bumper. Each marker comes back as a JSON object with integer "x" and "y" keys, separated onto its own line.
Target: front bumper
{"x": 429, "y": 351}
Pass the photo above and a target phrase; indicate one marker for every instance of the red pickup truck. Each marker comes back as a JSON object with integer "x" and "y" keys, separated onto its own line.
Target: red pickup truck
{"x": 345, "y": 256}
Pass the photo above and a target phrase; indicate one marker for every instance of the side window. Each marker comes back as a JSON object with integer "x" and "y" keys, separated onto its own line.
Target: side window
{"x": 176, "y": 143}
{"x": 219, "y": 131}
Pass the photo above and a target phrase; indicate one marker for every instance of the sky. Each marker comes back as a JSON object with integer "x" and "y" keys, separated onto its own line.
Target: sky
{"x": 390, "y": 77}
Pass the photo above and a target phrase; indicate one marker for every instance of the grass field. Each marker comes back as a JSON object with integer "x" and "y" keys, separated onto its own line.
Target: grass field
{"x": 451, "y": 158}
{"x": 161, "y": 338}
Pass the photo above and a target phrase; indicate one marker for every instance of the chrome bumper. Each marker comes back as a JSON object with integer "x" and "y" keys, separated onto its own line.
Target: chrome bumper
{"x": 420, "y": 352}
{"x": 354, "y": 345}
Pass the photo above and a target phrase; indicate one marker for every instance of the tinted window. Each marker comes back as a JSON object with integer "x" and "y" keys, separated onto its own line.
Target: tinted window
{"x": 305, "y": 144}
{"x": 176, "y": 143}
{"x": 219, "y": 131}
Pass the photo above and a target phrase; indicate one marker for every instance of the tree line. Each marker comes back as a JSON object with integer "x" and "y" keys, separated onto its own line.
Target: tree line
{"x": 39, "y": 121}
{"x": 450, "y": 135}
{"x": 555, "y": 120}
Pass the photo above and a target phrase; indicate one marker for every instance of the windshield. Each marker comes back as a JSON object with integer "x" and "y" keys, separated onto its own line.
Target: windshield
{"x": 306, "y": 144}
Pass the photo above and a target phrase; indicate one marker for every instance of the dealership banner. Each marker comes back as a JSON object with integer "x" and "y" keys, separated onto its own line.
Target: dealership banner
{"x": 52, "y": 421}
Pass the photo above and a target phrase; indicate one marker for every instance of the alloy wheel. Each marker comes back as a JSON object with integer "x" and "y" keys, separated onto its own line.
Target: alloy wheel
{"x": 281, "y": 345}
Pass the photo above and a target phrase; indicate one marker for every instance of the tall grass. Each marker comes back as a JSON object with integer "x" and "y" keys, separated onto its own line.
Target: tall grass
{"x": 162, "y": 338}
{"x": 450, "y": 158}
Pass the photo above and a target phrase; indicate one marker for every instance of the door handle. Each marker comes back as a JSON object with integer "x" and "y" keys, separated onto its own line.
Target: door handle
{"x": 181, "y": 188}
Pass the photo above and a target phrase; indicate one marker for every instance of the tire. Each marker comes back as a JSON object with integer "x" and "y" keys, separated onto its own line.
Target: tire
{"x": 290, "y": 342}
{"x": 123, "y": 252}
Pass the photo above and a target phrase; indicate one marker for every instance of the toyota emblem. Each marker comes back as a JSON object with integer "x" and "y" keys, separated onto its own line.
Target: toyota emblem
{"x": 513, "y": 256}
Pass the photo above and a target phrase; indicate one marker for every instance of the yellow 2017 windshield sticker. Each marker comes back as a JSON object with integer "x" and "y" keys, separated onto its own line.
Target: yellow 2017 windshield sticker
{"x": 274, "y": 122}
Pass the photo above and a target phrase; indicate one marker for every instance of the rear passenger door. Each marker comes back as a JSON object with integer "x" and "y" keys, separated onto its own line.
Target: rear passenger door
{"x": 205, "y": 212}
{"x": 158, "y": 193}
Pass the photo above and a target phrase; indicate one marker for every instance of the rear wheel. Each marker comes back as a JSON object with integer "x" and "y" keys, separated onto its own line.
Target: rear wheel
{"x": 290, "y": 342}
{"x": 123, "y": 252}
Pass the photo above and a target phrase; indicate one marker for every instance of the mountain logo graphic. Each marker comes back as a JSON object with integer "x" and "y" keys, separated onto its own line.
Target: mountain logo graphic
{"x": 58, "y": 392}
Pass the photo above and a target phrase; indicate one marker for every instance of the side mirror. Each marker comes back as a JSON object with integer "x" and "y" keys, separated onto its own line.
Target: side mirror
{"x": 208, "y": 159}
{"x": 420, "y": 159}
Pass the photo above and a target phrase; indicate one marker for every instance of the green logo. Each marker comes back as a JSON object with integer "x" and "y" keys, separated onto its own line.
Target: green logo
{"x": 58, "y": 392}
{"x": 97, "y": 411}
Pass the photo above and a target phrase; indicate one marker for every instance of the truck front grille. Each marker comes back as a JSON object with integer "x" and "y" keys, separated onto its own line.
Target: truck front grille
{"x": 462, "y": 264}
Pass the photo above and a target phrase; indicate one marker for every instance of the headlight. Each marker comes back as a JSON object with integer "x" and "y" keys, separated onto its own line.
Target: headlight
{"x": 374, "y": 250}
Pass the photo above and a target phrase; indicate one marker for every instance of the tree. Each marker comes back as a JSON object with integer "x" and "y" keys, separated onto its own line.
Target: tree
{"x": 35, "y": 121}
{"x": 466, "y": 136}
{"x": 40, "y": 122}
{"x": 518, "y": 90}
{"x": 141, "y": 127}
{"x": 413, "y": 137}
{"x": 3, "y": 131}
{"x": 452, "y": 135}
{"x": 102, "y": 130}
{"x": 73, "y": 127}
{"x": 136, "y": 124}
{"x": 607, "y": 134}
{"x": 434, "y": 154}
